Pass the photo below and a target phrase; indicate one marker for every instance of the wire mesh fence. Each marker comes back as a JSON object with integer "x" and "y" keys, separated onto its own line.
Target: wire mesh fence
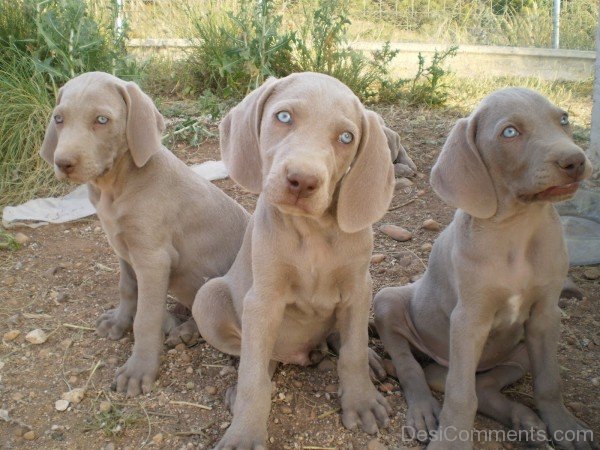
{"x": 523, "y": 23}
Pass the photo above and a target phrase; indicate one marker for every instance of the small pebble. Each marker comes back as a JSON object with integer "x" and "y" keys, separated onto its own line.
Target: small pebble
{"x": 10, "y": 280}
{"x": 74, "y": 395}
{"x": 386, "y": 387}
{"x": 297, "y": 383}
{"x": 426, "y": 247}
{"x": 285, "y": 409}
{"x": 210, "y": 390}
{"x": 157, "y": 438}
{"x": 190, "y": 385}
{"x": 11, "y": 335}
{"x": 593, "y": 273}
{"x": 104, "y": 406}
{"x": 397, "y": 233}
{"x": 37, "y": 336}
{"x": 377, "y": 258}
{"x": 431, "y": 225}
{"x": 224, "y": 425}
{"x": 181, "y": 347}
{"x": 30, "y": 435}
{"x": 61, "y": 405}
{"x": 227, "y": 370}
{"x": 21, "y": 238}
{"x": 374, "y": 444}
{"x": 331, "y": 389}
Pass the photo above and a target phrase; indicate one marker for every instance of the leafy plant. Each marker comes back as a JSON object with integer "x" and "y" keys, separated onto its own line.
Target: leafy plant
{"x": 429, "y": 85}
{"x": 237, "y": 50}
{"x": 25, "y": 106}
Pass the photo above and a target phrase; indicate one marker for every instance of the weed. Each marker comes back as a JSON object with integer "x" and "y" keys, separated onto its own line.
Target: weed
{"x": 25, "y": 106}
{"x": 430, "y": 86}
{"x": 236, "y": 50}
{"x": 112, "y": 422}
{"x": 8, "y": 241}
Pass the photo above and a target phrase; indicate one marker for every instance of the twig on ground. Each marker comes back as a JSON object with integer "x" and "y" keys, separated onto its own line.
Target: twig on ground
{"x": 78, "y": 327}
{"x": 403, "y": 204}
{"x": 195, "y": 405}
{"x": 328, "y": 413}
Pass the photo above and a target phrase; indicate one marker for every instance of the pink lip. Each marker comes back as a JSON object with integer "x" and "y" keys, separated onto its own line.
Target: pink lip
{"x": 559, "y": 191}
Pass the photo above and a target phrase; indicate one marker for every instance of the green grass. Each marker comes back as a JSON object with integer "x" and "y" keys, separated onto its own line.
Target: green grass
{"x": 25, "y": 106}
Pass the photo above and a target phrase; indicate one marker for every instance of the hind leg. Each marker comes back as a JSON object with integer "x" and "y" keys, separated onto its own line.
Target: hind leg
{"x": 490, "y": 400}
{"x": 216, "y": 318}
{"x": 423, "y": 408}
{"x": 219, "y": 324}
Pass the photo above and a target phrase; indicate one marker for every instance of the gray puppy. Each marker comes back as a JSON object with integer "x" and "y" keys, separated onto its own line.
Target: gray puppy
{"x": 170, "y": 228}
{"x": 486, "y": 310}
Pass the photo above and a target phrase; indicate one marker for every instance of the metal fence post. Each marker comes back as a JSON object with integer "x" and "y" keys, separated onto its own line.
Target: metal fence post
{"x": 556, "y": 24}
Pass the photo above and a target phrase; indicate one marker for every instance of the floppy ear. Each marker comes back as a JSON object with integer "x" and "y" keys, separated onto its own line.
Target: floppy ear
{"x": 145, "y": 124}
{"x": 366, "y": 190}
{"x": 460, "y": 176}
{"x": 239, "y": 135}
{"x": 50, "y": 138}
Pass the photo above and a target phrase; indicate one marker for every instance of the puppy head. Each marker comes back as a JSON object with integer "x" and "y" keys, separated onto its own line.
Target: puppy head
{"x": 308, "y": 144}
{"x": 98, "y": 118}
{"x": 515, "y": 147}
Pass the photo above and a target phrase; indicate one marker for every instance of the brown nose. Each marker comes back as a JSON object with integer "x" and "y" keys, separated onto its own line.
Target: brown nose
{"x": 573, "y": 165}
{"x": 302, "y": 185}
{"x": 66, "y": 165}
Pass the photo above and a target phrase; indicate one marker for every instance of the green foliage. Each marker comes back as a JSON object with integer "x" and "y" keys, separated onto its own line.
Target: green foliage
{"x": 63, "y": 38}
{"x": 237, "y": 50}
{"x": 8, "y": 241}
{"x": 430, "y": 86}
{"x": 322, "y": 46}
{"x": 25, "y": 105}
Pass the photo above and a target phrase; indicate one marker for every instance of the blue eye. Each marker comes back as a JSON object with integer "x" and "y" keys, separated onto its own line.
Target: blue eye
{"x": 102, "y": 119}
{"x": 510, "y": 132}
{"x": 564, "y": 120}
{"x": 58, "y": 118}
{"x": 346, "y": 137}
{"x": 284, "y": 116}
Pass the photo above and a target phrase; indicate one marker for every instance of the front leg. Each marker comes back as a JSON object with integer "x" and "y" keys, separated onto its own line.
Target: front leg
{"x": 469, "y": 330}
{"x": 542, "y": 333}
{"x": 361, "y": 403}
{"x": 115, "y": 322}
{"x": 261, "y": 320}
{"x": 140, "y": 370}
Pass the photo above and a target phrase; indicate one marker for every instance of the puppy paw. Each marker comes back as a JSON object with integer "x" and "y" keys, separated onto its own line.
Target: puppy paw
{"x": 186, "y": 333}
{"x": 136, "y": 376}
{"x": 366, "y": 408}
{"x": 230, "y": 396}
{"x": 113, "y": 324}
{"x": 422, "y": 418}
{"x": 402, "y": 170}
{"x": 532, "y": 427}
{"x": 377, "y": 370}
{"x": 241, "y": 438}
{"x": 566, "y": 431}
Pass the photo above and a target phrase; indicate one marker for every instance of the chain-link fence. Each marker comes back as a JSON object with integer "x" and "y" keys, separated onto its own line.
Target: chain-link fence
{"x": 523, "y": 23}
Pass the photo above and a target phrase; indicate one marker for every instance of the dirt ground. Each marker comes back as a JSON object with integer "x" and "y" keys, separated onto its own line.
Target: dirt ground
{"x": 66, "y": 275}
